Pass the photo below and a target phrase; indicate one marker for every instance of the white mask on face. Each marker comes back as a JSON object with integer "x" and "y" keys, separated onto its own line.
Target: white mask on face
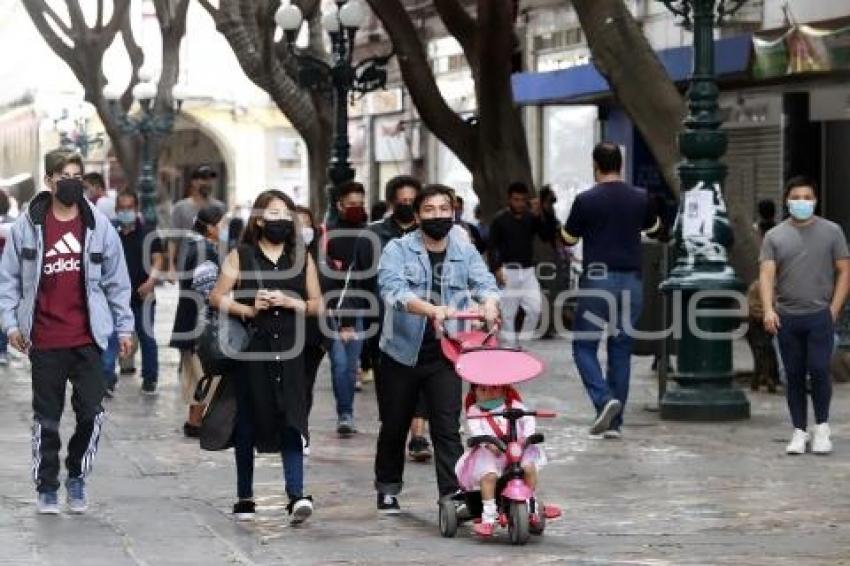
{"x": 307, "y": 234}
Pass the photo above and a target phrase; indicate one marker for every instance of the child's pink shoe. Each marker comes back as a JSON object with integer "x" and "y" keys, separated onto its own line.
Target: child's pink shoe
{"x": 484, "y": 529}
{"x": 551, "y": 511}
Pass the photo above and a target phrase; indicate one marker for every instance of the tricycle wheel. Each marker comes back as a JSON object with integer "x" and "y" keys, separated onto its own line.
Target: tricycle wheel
{"x": 448, "y": 518}
{"x": 518, "y": 522}
{"x": 537, "y": 527}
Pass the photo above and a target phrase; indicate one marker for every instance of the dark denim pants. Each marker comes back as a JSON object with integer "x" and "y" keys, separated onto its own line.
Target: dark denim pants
{"x": 608, "y": 300}
{"x": 144, "y": 315}
{"x": 806, "y": 344}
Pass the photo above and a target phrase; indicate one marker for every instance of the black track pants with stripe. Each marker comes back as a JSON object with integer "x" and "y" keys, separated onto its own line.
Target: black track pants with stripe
{"x": 51, "y": 370}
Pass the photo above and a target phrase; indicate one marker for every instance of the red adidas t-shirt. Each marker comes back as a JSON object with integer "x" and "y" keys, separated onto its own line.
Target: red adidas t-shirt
{"x": 61, "y": 313}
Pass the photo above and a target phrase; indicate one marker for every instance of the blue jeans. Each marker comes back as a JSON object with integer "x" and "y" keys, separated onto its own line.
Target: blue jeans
{"x": 291, "y": 451}
{"x": 4, "y": 343}
{"x": 345, "y": 360}
{"x": 623, "y": 293}
{"x": 806, "y": 344}
{"x": 143, "y": 313}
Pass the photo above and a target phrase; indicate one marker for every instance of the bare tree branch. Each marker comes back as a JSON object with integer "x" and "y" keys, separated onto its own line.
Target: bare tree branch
{"x": 120, "y": 14}
{"x": 137, "y": 59}
{"x": 38, "y": 9}
{"x": 420, "y": 81}
{"x": 99, "y": 21}
{"x": 78, "y": 20}
{"x": 212, "y": 10}
{"x": 462, "y": 27}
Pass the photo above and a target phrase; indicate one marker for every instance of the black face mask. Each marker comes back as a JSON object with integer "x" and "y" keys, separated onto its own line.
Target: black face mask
{"x": 69, "y": 191}
{"x": 437, "y": 228}
{"x": 279, "y": 231}
{"x": 403, "y": 213}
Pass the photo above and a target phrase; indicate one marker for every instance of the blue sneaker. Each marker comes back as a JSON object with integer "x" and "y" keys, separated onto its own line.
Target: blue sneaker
{"x": 77, "y": 503}
{"x": 48, "y": 503}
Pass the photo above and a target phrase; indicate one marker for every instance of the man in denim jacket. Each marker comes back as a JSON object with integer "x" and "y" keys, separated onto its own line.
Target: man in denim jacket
{"x": 64, "y": 289}
{"x": 423, "y": 278}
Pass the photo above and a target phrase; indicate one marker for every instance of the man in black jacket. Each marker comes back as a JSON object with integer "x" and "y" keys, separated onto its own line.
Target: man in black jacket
{"x": 347, "y": 344}
{"x": 400, "y": 192}
{"x": 511, "y": 248}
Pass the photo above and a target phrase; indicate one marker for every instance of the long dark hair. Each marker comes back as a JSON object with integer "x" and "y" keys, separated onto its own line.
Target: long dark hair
{"x": 253, "y": 232}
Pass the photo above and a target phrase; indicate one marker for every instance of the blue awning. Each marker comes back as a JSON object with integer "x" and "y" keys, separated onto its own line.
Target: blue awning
{"x": 732, "y": 56}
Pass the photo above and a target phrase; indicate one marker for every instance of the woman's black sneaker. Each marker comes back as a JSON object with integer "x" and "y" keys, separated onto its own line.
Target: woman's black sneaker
{"x": 191, "y": 431}
{"x": 388, "y": 504}
{"x": 244, "y": 510}
{"x": 300, "y": 509}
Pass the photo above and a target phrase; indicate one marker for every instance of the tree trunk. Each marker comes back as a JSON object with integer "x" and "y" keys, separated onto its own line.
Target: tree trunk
{"x": 249, "y": 28}
{"x": 625, "y": 58}
{"x": 501, "y": 148}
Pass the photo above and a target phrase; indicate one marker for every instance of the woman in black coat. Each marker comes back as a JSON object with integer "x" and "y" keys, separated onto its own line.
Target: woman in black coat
{"x": 201, "y": 247}
{"x": 270, "y": 282}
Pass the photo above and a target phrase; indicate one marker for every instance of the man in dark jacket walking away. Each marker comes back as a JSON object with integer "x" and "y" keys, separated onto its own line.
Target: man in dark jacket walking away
{"x": 609, "y": 219}
{"x": 64, "y": 290}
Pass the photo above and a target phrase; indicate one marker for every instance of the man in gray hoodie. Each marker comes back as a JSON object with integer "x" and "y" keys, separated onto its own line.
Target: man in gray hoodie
{"x": 64, "y": 289}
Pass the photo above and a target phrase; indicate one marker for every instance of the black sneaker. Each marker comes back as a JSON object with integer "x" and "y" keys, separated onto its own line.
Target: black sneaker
{"x": 419, "y": 449}
{"x": 244, "y": 510}
{"x": 345, "y": 426}
{"x": 149, "y": 388}
{"x": 388, "y": 504}
{"x": 128, "y": 371}
{"x": 300, "y": 509}
{"x": 191, "y": 431}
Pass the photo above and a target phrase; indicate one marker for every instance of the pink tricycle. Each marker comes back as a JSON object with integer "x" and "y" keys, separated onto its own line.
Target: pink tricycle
{"x": 480, "y": 360}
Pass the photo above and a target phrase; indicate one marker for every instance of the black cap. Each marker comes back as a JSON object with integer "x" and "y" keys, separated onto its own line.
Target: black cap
{"x": 204, "y": 172}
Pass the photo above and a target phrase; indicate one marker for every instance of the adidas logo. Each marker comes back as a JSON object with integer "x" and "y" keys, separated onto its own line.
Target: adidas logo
{"x": 67, "y": 244}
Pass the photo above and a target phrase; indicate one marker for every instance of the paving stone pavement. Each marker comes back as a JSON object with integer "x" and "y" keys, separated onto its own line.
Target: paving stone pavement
{"x": 668, "y": 493}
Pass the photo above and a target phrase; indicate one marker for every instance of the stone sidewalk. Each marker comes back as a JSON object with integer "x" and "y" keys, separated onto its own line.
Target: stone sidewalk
{"x": 668, "y": 493}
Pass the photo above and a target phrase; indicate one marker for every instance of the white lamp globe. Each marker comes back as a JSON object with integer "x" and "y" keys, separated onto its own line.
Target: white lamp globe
{"x": 180, "y": 92}
{"x": 112, "y": 91}
{"x": 353, "y": 14}
{"x": 288, "y": 17}
{"x": 144, "y": 91}
{"x": 330, "y": 21}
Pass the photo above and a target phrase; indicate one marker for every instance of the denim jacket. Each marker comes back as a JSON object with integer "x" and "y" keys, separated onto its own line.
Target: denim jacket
{"x": 107, "y": 284}
{"x": 404, "y": 273}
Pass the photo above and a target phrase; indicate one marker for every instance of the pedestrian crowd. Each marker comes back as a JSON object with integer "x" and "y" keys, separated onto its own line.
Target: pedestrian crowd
{"x": 266, "y": 294}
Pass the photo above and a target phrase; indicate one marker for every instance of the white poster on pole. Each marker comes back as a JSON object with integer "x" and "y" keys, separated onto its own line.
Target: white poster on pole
{"x": 699, "y": 214}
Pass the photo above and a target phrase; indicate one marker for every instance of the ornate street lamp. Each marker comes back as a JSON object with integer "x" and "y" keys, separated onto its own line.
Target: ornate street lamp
{"x": 151, "y": 126}
{"x": 339, "y": 78}
{"x": 73, "y": 132}
{"x": 702, "y": 278}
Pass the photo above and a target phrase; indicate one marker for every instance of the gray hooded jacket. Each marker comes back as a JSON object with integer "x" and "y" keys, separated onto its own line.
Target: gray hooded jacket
{"x": 107, "y": 284}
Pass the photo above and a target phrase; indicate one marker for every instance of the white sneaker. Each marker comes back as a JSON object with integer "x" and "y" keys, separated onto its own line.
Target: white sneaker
{"x": 821, "y": 444}
{"x": 798, "y": 442}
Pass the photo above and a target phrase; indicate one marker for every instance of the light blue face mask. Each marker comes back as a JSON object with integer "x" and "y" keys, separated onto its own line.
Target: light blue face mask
{"x": 491, "y": 404}
{"x": 800, "y": 209}
{"x": 126, "y": 217}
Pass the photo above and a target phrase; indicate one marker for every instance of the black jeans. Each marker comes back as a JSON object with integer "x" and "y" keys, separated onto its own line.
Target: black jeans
{"x": 397, "y": 397}
{"x": 806, "y": 343}
{"x": 374, "y": 352}
{"x": 51, "y": 369}
{"x": 313, "y": 356}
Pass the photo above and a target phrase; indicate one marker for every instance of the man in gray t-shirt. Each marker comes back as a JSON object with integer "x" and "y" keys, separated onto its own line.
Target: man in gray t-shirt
{"x": 804, "y": 281}
{"x": 184, "y": 211}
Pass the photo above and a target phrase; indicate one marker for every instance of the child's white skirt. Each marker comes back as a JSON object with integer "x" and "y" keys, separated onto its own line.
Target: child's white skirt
{"x": 480, "y": 461}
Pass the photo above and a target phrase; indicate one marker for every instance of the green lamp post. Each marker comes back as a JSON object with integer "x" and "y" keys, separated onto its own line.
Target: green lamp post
{"x": 151, "y": 126}
{"x": 703, "y": 287}
{"x": 339, "y": 78}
